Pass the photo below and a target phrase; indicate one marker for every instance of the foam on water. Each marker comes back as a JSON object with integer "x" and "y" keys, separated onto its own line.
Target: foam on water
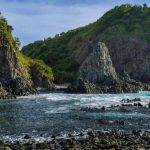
{"x": 56, "y": 113}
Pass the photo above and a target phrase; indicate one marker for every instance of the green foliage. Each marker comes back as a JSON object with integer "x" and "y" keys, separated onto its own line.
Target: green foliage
{"x": 6, "y": 29}
{"x": 28, "y": 64}
{"x": 60, "y": 51}
{"x": 17, "y": 42}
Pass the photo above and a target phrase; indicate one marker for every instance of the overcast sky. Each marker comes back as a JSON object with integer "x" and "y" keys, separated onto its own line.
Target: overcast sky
{"x": 38, "y": 19}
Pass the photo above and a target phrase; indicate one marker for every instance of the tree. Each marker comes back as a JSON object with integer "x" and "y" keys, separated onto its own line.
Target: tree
{"x": 10, "y": 28}
{"x": 17, "y": 42}
{"x": 145, "y": 5}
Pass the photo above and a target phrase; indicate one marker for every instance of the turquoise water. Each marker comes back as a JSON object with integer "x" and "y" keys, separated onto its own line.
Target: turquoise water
{"x": 59, "y": 114}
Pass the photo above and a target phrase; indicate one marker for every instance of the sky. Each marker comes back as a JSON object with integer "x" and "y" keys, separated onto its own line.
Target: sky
{"x": 38, "y": 19}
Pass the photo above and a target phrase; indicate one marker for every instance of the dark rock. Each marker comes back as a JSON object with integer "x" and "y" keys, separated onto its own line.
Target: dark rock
{"x": 149, "y": 105}
{"x": 130, "y": 100}
{"x": 138, "y": 104}
{"x": 27, "y": 136}
{"x": 91, "y": 134}
{"x": 81, "y": 134}
{"x": 88, "y": 109}
{"x": 103, "y": 108}
{"x": 53, "y": 137}
{"x": 69, "y": 135}
{"x": 120, "y": 122}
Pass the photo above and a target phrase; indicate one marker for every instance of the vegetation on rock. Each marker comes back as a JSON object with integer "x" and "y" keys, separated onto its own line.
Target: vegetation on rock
{"x": 28, "y": 64}
{"x": 119, "y": 26}
{"x": 19, "y": 75}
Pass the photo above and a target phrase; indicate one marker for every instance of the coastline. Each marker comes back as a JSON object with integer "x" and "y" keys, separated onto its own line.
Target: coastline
{"x": 97, "y": 140}
{"x": 123, "y": 137}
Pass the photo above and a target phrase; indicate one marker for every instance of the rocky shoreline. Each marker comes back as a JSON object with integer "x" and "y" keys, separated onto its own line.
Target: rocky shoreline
{"x": 97, "y": 140}
{"x": 122, "y": 137}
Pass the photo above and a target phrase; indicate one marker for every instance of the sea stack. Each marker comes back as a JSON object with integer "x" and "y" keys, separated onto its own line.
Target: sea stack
{"x": 98, "y": 75}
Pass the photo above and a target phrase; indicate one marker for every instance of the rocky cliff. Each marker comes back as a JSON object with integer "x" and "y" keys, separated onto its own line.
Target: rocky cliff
{"x": 12, "y": 78}
{"x": 98, "y": 75}
{"x": 19, "y": 75}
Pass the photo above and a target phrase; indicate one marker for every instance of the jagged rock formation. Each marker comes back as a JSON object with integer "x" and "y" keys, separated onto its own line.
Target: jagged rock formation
{"x": 98, "y": 75}
{"x": 12, "y": 78}
{"x": 98, "y": 68}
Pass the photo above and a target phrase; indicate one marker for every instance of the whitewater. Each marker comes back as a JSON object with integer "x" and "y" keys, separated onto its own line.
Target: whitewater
{"x": 59, "y": 114}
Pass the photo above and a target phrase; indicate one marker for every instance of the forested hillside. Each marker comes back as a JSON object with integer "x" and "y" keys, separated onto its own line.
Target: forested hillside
{"x": 125, "y": 31}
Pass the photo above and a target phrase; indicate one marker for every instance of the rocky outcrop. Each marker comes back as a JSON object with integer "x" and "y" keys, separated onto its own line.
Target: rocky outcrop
{"x": 98, "y": 68}
{"x": 40, "y": 79}
{"x": 12, "y": 78}
{"x": 98, "y": 75}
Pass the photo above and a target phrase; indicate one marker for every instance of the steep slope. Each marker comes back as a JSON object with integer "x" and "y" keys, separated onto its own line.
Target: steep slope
{"x": 37, "y": 71}
{"x": 124, "y": 29}
{"x": 11, "y": 75}
{"x": 15, "y": 79}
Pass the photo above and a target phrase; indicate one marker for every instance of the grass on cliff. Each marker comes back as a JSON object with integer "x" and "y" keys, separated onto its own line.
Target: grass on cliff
{"x": 7, "y": 29}
{"x": 63, "y": 51}
{"x": 28, "y": 63}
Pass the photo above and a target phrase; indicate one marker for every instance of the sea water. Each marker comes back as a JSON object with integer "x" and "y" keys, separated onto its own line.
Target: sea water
{"x": 59, "y": 114}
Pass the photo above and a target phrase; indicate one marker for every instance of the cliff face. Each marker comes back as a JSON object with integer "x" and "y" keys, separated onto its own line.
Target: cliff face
{"x": 19, "y": 75}
{"x": 12, "y": 78}
{"x": 98, "y": 75}
{"x": 8, "y": 60}
{"x": 98, "y": 68}
{"x": 131, "y": 55}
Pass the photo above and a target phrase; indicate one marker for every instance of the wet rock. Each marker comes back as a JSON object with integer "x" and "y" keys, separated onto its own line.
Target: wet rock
{"x": 69, "y": 135}
{"x": 149, "y": 105}
{"x": 103, "y": 108}
{"x": 27, "y": 136}
{"x": 53, "y": 137}
{"x": 81, "y": 134}
{"x": 89, "y": 109}
{"x": 136, "y": 132}
{"x": 91, "y": 134}
{"x": 130, "y": 100}
{"x": 120, "y": 122}
{"x": 94, "y": 141}
{"x": 138, "y": 104}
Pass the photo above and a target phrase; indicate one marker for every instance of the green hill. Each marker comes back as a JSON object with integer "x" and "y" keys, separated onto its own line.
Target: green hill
{"x": 124, "y": 29}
